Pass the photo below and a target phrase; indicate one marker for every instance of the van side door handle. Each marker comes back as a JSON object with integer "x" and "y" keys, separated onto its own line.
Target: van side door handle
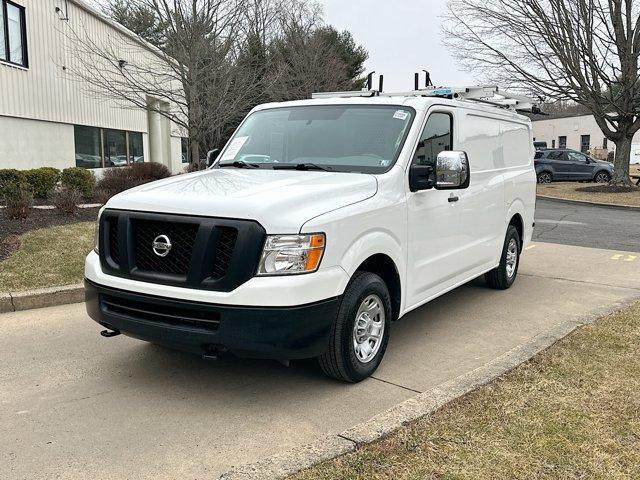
{"x": 453, "y": 198}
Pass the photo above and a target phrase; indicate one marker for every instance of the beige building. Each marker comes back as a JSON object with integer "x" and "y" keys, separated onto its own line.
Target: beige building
{"x": 49, "y": 116}
{"x": 578, "y": 133}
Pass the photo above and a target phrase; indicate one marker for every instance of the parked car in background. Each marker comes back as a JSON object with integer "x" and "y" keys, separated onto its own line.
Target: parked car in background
{"x": 570, "y": 165}
{"x": 540, "y": 145}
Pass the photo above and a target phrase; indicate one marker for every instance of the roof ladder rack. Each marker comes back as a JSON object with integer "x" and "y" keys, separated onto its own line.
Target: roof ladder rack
{"x": 488, "y": 94}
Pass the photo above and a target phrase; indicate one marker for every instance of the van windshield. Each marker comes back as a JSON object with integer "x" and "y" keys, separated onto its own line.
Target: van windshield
{"x": 344, "y": 138}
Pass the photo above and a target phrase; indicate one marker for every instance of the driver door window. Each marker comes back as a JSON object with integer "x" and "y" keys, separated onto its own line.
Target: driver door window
{"x": 436, "y": 137}
{"x": 580, "y": 167}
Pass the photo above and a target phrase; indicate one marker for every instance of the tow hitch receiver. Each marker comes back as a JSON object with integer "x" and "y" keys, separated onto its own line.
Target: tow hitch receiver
{"x": 110, "y": 333}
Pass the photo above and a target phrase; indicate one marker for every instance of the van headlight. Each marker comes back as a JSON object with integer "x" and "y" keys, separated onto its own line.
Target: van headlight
{"x": 291, "y": 254}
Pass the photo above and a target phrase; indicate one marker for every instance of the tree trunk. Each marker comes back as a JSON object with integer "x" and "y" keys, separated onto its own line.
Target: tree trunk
{"x": 621, "y": 163}
{"x": 195, "y": 150}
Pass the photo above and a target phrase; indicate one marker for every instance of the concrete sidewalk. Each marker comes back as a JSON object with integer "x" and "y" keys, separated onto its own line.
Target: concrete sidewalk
{"x": 76, "y": 405}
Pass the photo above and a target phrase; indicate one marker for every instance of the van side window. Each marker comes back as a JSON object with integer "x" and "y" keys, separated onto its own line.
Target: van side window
{"x": 436, "y": 137}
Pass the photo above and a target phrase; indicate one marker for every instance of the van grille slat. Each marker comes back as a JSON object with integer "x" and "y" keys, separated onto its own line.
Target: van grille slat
{"x": 160, "y": 313}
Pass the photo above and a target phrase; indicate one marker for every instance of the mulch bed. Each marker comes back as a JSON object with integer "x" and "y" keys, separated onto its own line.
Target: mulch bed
{"x": 607, "y": 189}
{"x": 10, "y": 230}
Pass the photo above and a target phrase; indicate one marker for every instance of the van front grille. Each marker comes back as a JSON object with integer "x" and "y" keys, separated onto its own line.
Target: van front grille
{"x": 176, "y": 262}
{"x": 206, "y": 253}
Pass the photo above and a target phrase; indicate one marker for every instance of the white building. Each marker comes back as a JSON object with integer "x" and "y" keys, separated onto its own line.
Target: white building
{"x": 578, "y": 133}
{"x": 50, "y": 118}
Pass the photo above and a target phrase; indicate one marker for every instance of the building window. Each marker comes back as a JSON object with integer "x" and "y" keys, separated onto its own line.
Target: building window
{"x": 437, "y": 136}
{"x": 585, "y": 143}
{"x": 136, "y": 150}
{"x": 184, "y": 143}
{"x": 562, "y": 142}
{"x": 604, "y": 143}
{"x": 88, "y": 147}
{"x": 103, "y": 148}
{"x": 553, "y": 143}
{"x": 115, "y": 148}
{"x": 13, "y": 34}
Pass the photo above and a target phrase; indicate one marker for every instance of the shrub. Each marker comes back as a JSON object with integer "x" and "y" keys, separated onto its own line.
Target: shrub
{"x": 79, "y": 179}
{"x": 18, "y": 199}
{"x": 118, "y": 180}
{"x": 148, "y": 171}
{"x": 42, "y": 180}
{"x": 102, "y": 195}
{"x": 195, "y": 166}
{"x": 10, "y": 176}
{"x": 66, "y": 200}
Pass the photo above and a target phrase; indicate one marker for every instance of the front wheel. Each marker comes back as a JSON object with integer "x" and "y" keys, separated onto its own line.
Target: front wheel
{"x": 545, "y": 177}
{"x": 602, "y": 177}
{"x": 503, "y": 276}
{"x": 360, "y": 332}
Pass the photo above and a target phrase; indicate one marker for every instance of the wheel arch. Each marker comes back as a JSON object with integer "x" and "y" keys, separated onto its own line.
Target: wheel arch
{"x": 381, "y": 253}
{"x": 383, "y": 266}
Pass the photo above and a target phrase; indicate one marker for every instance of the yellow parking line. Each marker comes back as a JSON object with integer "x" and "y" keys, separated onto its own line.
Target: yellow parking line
{"x": 624, "y": 258}
{"x": 530, "y": 247}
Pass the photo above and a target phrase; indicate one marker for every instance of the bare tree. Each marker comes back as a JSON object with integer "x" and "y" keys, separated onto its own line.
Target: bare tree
{"x": 215, "y": 61}
{"x": 585, "y": 51}
{"x": 195, "y": 74}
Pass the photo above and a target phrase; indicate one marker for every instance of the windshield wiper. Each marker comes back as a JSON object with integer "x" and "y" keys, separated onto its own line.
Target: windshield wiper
{"x": 239, "y": 164}
{"x": 301, "y": 166}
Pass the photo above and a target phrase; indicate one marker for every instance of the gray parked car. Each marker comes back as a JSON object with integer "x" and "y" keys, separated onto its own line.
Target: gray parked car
{"x": 569, "y": 165}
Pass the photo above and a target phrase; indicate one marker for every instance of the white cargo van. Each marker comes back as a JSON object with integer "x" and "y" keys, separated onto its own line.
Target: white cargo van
{"x": 320, "y": 223}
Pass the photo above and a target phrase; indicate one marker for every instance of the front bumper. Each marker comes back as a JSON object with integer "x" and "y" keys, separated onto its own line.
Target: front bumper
{"x": 203, "y": 328}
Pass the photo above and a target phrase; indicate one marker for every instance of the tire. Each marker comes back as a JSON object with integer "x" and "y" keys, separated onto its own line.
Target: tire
{"x": 602, "y": 177}
{"x": 343, "y": 357}
{"x": 503, "y": 276}
{"x": 545, "y": 177}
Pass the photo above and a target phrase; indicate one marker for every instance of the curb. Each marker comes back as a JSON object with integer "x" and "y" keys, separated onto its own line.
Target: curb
{"x": 287, "y": 463}
{"x": 43, "y": 297}
{"x": 592, "y": 204}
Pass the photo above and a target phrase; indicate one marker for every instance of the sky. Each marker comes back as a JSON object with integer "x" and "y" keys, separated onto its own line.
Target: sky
{"x": 402, "y": 37}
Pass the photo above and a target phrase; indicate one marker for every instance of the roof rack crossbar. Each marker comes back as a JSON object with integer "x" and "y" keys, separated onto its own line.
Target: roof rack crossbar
{"x": 488, "y": 94}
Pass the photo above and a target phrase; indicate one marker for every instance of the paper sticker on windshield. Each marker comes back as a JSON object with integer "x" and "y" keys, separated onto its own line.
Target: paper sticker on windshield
{"x": 401, "y": 115}
{"x": 234, "y": 147}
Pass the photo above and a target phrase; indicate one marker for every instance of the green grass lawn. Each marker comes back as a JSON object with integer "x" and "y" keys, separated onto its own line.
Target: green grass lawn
{"x": 573, "y": 412}
{"x": 48, "y": 257}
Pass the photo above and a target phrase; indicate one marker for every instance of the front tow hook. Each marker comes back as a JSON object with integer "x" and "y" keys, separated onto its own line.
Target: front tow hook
{"x": 110, "y": 333}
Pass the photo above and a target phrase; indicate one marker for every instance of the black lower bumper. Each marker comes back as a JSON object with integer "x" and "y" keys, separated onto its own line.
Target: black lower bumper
{"x": 202, "y": 328}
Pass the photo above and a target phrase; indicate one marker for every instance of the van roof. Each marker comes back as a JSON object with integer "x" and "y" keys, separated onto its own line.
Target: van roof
{"x": 415, "y": 102}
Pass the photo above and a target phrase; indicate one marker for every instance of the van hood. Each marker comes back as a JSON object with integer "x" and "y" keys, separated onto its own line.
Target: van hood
{"x": 280, "y": 200}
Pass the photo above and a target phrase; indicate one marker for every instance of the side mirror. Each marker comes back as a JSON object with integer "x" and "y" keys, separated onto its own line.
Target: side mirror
{"x": 452, "y": 170}
{"x": 212, "y": 155}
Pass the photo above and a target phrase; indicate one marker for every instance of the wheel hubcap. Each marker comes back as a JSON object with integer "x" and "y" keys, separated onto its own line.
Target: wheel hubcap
{"x": 368, "y": 329}
{"x": 545, "y": 178}
{"x": 512, "y": 257}
{"x": 601, "y": 178}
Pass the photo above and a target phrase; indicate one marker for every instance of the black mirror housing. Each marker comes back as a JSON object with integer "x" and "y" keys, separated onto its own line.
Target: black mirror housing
{"x": 212, "y": 155}
{"x": 420, "y": 177}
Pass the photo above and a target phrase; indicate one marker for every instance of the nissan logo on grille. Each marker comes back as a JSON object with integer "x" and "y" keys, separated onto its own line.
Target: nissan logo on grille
{"x": 161, "y": 245}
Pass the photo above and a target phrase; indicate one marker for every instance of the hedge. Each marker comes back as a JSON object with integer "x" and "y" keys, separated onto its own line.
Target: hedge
{"x": 9, "y": 177}
{"x": 42, "y": 180}
{"x": 80, "y": 179}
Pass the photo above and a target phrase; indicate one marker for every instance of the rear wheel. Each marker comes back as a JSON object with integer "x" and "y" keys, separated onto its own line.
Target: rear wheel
{"x": 503, "y": 276}
{"x": 545, "y": 177}
{"x": 602, "y": 177}
{"x": 360, "y": 332}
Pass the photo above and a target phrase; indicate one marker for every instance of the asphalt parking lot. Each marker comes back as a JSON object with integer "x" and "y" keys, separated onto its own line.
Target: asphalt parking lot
{"x": 76, "y": 405}
{"x": 587, "y": 226}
